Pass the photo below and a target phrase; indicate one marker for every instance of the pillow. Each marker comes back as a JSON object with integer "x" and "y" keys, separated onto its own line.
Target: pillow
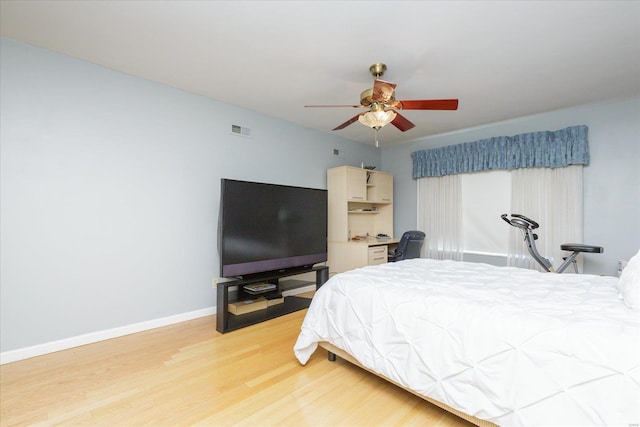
{"x": 629, "y": 284}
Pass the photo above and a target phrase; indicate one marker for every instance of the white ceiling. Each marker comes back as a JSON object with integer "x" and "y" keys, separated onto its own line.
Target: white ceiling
{"x": 502, "y": 59}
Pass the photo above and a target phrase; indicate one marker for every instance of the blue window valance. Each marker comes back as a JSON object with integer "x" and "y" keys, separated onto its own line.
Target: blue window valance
{"x": 551, "y": 149}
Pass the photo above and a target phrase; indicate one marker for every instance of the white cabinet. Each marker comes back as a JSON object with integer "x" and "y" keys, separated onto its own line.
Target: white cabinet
{"x": 360, "y": 204}
{"x": 356, "y": 184}
{"x": 380, "y": 187}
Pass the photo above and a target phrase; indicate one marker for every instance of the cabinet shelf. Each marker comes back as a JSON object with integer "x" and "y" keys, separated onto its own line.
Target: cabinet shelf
{"x": 290, "y": 304}
{"x": 364, "y": 212}
{"x": 226, "y": 321}
{"x": 368, "y": 202}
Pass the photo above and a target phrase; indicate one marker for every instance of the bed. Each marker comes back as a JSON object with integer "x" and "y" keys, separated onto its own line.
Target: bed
{"x": 495, "y": 345}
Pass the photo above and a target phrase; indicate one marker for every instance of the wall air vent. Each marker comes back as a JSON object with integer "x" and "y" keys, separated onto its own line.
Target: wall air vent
{"x": 240, "y": 131}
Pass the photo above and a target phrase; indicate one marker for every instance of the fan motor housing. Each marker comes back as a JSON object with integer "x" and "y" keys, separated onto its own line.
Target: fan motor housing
{"x": 366, "y": 98}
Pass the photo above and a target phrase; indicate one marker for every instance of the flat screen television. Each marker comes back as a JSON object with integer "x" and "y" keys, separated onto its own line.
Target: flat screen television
{"x": 266, "y": 228}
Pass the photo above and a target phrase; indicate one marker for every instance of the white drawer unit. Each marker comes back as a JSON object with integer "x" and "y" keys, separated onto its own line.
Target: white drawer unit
{"x": 377, "y": 254}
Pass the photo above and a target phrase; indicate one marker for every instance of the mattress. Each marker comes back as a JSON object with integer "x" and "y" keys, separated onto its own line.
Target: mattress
{"x": 507, "y": 345}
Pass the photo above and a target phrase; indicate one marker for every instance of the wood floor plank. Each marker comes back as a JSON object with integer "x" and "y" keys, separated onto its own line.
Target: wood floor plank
{"x": 189, "y": 374}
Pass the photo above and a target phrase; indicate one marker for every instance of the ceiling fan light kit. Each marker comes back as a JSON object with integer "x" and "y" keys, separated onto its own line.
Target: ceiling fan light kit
{"x": 381, "y": 102}
{"x": 377, "y": 117}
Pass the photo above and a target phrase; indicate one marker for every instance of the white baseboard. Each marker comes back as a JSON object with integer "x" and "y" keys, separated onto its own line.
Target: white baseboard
{"x": 64, "y": 344}
{"x": 92, "y": 337}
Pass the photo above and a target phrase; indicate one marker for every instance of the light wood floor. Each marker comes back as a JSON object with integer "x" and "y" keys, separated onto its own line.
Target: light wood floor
{"x": 189, "y": 374}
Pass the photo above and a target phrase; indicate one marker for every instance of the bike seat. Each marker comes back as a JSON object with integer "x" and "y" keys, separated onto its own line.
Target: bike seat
{"x": 578, "y": 247}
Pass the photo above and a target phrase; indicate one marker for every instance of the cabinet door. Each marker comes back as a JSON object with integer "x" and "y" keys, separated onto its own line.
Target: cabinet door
{"x": 356, "y": 184}
{"x": 383, "y": 188}
{"x": 345, "y": 256}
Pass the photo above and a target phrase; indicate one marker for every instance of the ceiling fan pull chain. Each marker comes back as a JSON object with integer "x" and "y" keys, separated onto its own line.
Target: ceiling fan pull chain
{"x": 376, "y": 134}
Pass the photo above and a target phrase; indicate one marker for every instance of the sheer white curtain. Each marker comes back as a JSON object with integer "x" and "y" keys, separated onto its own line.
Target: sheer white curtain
{"x": 553, "y": 198}
{"x": 440, "y": 216}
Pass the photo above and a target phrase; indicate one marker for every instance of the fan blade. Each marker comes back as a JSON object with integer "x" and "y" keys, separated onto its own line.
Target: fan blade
{"x": 402, "y": 123}
{"x": 347, "y": 123}
{"x": 326, "y": 106}
{"x": 382, "y": 91}
{"x": 427, "y": 104}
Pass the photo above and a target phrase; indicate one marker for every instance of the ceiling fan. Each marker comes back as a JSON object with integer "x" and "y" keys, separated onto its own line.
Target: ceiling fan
{"x": 382, "y": 105}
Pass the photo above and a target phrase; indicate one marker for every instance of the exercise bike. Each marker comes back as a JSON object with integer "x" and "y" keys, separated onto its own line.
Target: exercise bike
{"x": 527, "y": 226}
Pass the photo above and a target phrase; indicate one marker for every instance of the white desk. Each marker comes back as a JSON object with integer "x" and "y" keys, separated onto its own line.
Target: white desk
{"x": 358, "y": 253}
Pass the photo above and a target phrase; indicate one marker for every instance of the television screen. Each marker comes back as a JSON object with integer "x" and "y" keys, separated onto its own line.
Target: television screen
{"x": 264, "y": 228}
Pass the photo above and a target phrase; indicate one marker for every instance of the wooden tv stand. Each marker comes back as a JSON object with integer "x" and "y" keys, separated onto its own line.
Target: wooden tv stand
{"x": 232, "y": 291}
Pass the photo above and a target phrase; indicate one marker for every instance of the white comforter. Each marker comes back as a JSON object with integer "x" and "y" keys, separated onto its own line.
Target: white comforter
{"x": 508, "y": 345}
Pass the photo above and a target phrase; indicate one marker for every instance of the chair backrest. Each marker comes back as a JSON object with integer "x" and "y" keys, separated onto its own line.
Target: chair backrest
{"x": 410, "y": 244}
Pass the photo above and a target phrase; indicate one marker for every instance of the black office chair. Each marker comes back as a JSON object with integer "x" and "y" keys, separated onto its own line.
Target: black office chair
{"x": 408, "y": 247}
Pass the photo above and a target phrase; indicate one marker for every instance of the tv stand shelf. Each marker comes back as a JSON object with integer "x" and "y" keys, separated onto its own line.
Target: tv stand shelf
{"x": 226, "y": 321}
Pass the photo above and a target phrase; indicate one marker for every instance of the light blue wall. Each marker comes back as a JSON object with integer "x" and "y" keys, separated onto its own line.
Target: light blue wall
{"x": 109, "y": 189}
{"x": 110, "y": 192}
{"x": 611, "y": 181}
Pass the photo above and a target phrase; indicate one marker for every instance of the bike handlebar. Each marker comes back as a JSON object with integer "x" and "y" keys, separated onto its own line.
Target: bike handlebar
{"x": 520, "y": 221}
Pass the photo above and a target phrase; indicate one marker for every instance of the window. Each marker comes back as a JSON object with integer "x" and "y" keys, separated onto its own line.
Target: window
{"x": 485, "y": 196}
{"x": 460, "y": 213}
